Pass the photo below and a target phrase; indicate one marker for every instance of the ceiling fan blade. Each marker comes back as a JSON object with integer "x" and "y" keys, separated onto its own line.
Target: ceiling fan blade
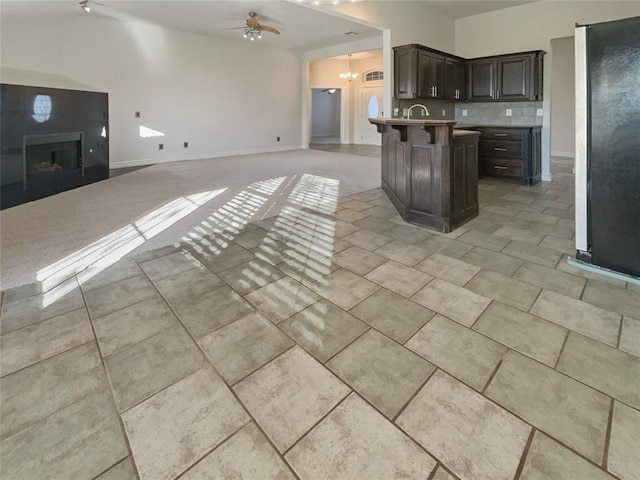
{"x": 267, "y": 28}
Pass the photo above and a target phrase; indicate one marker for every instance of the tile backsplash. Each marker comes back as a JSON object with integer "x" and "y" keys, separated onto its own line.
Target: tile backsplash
{"x": 495, "y": 113}
{"x": 438, "y": 109}
{"x": 480, "y": 113}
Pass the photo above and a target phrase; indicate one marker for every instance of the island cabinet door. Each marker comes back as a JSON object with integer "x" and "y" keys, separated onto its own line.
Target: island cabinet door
{"x": 464, "y": 177}
{"x": 393, "y": 164}
{"x": 426, "y": 179}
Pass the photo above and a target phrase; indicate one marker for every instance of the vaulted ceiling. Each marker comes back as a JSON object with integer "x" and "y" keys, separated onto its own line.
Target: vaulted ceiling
{"x": 302, "y": 28}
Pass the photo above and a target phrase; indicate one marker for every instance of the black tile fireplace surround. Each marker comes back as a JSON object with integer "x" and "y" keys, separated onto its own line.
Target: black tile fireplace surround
{"x": 52, "y": 140}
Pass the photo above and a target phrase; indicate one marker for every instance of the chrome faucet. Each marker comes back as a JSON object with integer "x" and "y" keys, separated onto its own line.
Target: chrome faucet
{"x": 426, "y": 112}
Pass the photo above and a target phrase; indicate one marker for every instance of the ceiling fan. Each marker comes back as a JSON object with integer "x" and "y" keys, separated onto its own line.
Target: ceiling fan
{"x": 254, "y": 28}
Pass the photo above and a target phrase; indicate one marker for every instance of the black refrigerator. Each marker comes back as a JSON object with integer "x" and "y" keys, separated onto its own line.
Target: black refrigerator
{"x": 608, "y": 145}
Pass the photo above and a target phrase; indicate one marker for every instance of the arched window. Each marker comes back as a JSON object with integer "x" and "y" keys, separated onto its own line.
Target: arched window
{"x": 374, "y": 76}
{"x": 372, "y": 106}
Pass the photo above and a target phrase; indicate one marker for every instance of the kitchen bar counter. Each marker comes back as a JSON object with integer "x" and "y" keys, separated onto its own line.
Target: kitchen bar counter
{"x": 430, "y": 171}
{"x": 482, "y": 125}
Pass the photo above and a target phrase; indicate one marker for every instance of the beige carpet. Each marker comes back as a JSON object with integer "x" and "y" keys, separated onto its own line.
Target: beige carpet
{"x": 159, "y": 205}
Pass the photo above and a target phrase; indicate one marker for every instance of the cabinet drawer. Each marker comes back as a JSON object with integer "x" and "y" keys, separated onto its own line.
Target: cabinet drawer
{"x": 502, "y": 167}
{"x": 508, "y": 134}
{"x": 492, "y": 148}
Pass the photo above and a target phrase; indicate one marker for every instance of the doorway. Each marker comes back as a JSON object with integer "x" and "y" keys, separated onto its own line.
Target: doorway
{"x": 325, "y": 115}
{"x": 369, "y": 106}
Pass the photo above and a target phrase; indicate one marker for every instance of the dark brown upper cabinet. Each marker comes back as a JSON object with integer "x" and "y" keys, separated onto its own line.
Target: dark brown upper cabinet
{"x": 422, "y": 73}
{"x": 454, "y": 79}
{"x": 516, "y": 77}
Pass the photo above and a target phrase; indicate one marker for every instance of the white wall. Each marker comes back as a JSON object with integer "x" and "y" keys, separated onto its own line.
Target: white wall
{"x": 223, "y": 97}
{"x": 409, "y": 22}
{"x": 563, "y": 97}
{"x": 325, "y": 113}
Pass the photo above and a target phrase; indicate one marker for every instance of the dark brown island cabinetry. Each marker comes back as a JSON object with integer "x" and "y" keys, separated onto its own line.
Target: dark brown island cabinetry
{"x": 429, "y": 171}
{"x": 507, "y": 78}
{"x": 421, "y": 72}
{"x": 510, "y": 152}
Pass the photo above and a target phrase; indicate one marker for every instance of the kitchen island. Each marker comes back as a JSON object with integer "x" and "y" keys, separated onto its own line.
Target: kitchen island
{"x": 430, "y": 171}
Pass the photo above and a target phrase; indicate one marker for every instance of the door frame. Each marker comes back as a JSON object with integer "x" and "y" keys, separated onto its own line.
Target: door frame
{"x": 362, "y": 109}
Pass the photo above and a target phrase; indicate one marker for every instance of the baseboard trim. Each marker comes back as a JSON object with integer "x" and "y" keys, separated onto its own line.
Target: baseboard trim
{"x": 563, "y": 154}
{"x": 546, "y": 177}
{"x": 153, "y": 161}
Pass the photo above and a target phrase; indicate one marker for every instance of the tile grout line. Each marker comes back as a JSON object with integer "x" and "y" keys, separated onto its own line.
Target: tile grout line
{"x": 607, "y": 438}
{"x": 209, "y": 364}
{"x": 310, "y": 429}
{"x": 109, "y": 385}
{"x": 525, "y": 453}
{"x": 564, "y": 343}
{"x": 532, "y": 425}
{"x": 4, "y": 375}
{"x": 135, "y": 471}
{"x": 493, "y": 374}
{"x": 414, "y": 395}
{"x": 620, "y": 332}
{"x": 446, "y": 469}
{"x": 30, "y": 424}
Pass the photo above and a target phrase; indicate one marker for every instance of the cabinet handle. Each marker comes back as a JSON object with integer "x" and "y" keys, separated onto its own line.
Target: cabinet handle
{"x": 500, "y": 168}
{"x": 499, "y": 134}
{"x": 499, "y": 149}
{"x": 435, "y": 89}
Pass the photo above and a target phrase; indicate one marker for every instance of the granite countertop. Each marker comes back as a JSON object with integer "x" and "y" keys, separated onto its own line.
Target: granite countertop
{"x": 410, "y": 121}
{"x": 478, "y": 125}
{"x": 461, "y": 133}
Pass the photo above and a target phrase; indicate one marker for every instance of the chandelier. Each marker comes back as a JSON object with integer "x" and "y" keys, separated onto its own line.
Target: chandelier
{"x": 252, "y": 33}
{"x": 348, "y": 75}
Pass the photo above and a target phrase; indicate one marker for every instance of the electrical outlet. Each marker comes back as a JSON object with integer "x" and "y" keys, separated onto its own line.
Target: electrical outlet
{"x": 539, "y": 112}
{"x": 464, "y": 113}
{"x": 186, "y": 145}
{"x": 161, "y": 146}
{"x": 137, "y": 114}
{"x": 405, "y": 112}
{"x": 509, "y": 112}
{"x": 444, "y": 112}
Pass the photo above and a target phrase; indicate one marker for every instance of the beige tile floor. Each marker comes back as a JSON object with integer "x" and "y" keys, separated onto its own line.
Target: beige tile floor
{"x": 325, "y": 344}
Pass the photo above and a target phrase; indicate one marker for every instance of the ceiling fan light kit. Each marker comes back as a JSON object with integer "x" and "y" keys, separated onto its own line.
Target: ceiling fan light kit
{"x": 254, "y": 29}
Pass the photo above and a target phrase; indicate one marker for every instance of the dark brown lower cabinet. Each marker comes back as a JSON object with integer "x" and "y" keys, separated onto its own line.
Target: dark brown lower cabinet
{"x": 430, "y": 176}
{"x": 512, "y": 153}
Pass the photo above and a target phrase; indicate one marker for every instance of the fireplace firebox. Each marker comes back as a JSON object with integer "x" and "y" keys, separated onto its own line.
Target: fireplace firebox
{"x": 55, "y": 154}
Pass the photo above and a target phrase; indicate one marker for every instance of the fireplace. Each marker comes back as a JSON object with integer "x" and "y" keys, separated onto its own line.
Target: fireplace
{"x": 53, "y": 154}
{"x": 52, "y": 140}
